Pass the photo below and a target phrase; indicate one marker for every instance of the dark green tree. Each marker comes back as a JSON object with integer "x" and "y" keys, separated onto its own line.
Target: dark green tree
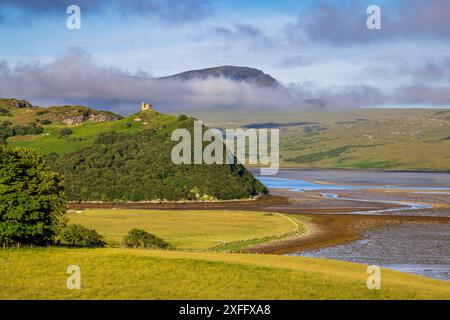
{"x": 32, "y": 198}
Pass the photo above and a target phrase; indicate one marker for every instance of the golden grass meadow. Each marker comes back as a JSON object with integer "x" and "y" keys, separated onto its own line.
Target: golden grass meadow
{"x": 191, "y": 271}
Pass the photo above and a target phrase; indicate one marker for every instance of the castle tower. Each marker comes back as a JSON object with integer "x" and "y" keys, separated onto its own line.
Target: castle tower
{"x": 146, "y": 106}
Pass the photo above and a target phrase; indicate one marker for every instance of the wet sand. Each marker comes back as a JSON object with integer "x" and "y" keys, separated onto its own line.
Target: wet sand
{"x": 420, "y": 248}
{"x": 332, "y": 222}
{"x": 412, "y": 236}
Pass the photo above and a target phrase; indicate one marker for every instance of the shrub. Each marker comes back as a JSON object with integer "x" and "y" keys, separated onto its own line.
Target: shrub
{"x": 45, "y": 122}
{"x": 79, "y": 236}
{"x": 137, "y": 238}
{"x": 65, "y": 132}
{"x": 6, "y": 130}
{"x": 41, "y": 112}
{"x": 31, "y": 129}
{"x": 4, "y": 113}
{"x": 182, "y": 117}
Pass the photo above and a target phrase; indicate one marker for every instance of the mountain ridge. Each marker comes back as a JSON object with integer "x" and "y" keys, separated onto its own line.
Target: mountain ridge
{"x": 234, "y": 73}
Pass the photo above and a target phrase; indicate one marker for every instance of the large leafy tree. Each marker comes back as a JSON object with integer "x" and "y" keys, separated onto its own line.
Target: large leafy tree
{"x": 32, "y": 197}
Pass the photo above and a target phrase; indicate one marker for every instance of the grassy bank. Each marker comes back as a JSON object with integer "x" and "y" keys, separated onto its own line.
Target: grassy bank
{"x": 146, "y": 274}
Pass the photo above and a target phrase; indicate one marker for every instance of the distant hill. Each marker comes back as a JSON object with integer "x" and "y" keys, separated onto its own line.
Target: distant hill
{"x": 22, "y": 112}
{"x": 384, "y": 139}
{"x": 106, "y": 157}
{"x": 240, "y": 74}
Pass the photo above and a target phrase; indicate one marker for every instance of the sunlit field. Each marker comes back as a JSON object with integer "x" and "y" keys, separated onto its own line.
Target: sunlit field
{"x": 186, "y": 229}
{"x": 148, "y": 274}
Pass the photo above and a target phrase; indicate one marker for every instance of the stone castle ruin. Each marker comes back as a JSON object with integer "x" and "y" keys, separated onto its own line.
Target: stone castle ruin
{"x": 146, "y": 106}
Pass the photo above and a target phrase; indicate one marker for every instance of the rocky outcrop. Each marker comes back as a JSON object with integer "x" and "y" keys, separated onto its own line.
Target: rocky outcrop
{"x": 73, "y": 120}
{"x": 103, "y": 117}
{"x": 15, "y": 103}
{"x": 75, "y": 115}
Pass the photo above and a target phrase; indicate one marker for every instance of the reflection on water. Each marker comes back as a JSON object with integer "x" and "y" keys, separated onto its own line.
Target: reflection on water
{"x": 422, "y": 249}
{"x": 304, "y": 185}
{"x": 351, "y": 177}
{"x": 406, "y": 205}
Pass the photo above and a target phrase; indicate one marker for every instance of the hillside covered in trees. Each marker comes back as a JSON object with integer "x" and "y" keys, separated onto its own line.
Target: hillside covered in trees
{"x": 137, "y": 167}
{"x": 105, "y": 157}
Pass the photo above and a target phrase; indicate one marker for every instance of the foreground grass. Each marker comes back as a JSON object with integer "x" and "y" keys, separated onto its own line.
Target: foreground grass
{"x": 145, "y": 274}
{"x": 187, "y": 229}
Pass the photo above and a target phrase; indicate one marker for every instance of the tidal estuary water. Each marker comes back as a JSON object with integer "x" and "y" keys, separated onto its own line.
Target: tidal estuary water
{"x": 420, "y": 248}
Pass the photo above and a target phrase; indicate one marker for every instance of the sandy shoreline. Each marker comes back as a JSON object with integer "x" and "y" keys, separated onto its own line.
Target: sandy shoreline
{"x": 330, "y": 230}
{"x": 331, "y": 221}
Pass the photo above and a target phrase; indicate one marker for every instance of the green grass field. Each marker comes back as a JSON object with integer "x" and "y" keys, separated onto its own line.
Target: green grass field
{"x": 187, "y": 229}
{"x": 148, "y": 274}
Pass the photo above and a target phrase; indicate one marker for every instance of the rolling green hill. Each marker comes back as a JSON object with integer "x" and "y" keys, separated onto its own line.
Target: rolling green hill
{"x": 105, "y": 157}
{"x": 387, "y": 139}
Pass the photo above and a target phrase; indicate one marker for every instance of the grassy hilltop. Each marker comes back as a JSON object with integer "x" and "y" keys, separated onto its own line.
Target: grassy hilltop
{"x": 105, "y": 157}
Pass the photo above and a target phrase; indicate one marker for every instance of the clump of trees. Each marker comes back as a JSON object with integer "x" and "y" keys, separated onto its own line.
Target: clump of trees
{"x": 137, "y": 238}
{"x": 5, "y": 113}
{"x": 32, "y": 198}
{"x": 33, "y": 202}
{"x": 76, "y": 235}
{"x": 7, "y": 129}
{"x": 138, "y": 167}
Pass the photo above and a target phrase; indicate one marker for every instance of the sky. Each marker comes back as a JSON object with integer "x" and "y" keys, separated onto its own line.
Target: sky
{"x": 318, "y": 49}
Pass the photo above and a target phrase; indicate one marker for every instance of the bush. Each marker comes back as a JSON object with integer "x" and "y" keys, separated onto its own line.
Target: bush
{"x": 79, "y": 236}
{"x": 31, "y": 129}
{"x": 182, "y": 117}
{"x": 137, "y": 238}
{"x": 45, "y": 122}
{"x": 5, "y": 113}
{"x": 41, "y": 112}
{"x": 65, "y": 132}
{"x": 6, "y": 130}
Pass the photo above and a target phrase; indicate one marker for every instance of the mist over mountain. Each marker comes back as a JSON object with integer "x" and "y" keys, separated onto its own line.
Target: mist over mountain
{"x": 234, "y": 73}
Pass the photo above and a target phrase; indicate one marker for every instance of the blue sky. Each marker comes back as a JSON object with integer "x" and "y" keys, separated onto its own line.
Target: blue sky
{"x": 320, "y": 49}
